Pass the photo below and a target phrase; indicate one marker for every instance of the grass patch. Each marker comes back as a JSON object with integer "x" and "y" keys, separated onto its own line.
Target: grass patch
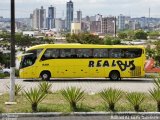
{"x": 56, "y": 103}
{"x": 2, "y": 75}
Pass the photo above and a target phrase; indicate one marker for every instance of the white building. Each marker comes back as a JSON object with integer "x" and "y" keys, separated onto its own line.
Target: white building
{"x": 39, "y": 19}
{"x": 59, "y": 24}
{"x": 75, "y": 27}
{"x": 121, "y": 22}
{"x": 29, "y": 33}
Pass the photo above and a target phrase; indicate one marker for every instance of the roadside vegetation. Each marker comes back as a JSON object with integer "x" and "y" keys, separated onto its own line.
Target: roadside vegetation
{"x": 111, "y": 97}
{"x": 135, "y": 99}
{"x": 2, "y": 75}
{"x": 42, "y": 99}
{"x": 73, "y": 96}
{"x": 55, "y": 102}
{"x": 155, "y": 92}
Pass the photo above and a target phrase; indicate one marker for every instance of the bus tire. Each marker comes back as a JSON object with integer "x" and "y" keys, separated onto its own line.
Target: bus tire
{"x": 114, "y": 75}
{"x": 45, "y": 75}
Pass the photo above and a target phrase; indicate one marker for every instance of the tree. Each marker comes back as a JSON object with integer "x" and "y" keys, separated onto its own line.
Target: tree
{"x": 150, "y": 52}
{"x": 122, "y": 35}
{"x": 83, "y": 38}
{"x": 140, "y": 34}
{"x": 5, "y": 59}
{"x": 108, "y": 40}
{"x": 24, "y": 40}
{"x": 72, "y": 38}
{"x": 153, "y": 34}
{"x": 130, "y": 34}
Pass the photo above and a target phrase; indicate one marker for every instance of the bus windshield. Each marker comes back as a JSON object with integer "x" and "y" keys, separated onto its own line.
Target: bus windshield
{"x": 29, "y": 58}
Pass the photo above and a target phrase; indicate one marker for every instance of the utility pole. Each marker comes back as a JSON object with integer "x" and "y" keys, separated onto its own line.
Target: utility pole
{"x": 115, "y": 27}
{"x": 12, "y": 57}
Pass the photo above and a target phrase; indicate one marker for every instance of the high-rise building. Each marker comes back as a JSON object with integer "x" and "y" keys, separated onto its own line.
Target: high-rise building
{"x": 39, "y": 18}
{"x": 51, "y": 12}
{"x": 69, "y": 15}
{"x": 95, "y": 25}
{"x": 79, "y": 16}
{"x": 108, "y": 25}
{"x": 59, "y": 24}
{"x": 35, "y": 19}
{"x": 51, "y": 17}
{"x": 121, "y": 22}
{"x": 42, "y": 17}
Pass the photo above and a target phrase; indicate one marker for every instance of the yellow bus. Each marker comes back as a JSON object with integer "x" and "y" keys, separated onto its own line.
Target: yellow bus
{"x": 83, "y": 61}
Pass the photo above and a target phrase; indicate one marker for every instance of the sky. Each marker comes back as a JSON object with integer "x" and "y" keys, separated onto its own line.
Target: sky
{"x": 133, "y": 8}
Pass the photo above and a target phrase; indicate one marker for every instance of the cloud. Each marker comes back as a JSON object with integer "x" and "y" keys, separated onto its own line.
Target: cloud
{"x": 88, "y": 7}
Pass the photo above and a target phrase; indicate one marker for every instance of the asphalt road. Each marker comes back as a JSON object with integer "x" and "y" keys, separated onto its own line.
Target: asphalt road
{"x": 82, "y": 116}
{"x": 91, "y": 86}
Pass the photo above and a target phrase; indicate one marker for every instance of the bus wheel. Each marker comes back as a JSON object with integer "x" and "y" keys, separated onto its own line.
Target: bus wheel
{"x": 114, "y": 75}
{"x": 45, "y": 75}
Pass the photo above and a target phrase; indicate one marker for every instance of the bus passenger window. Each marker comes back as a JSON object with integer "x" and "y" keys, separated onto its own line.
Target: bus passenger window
{"x": 84, "y": 53}
{"x": 133, "y": 53}
{"x": 115, "y": 53}
{"x": 67, "y": 53}
{"x": 100, "y": 53}
{"x": 50, "y": 54}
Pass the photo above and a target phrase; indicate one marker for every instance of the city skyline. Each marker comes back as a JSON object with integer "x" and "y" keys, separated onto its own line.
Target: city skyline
{"x": 136, "y": 8}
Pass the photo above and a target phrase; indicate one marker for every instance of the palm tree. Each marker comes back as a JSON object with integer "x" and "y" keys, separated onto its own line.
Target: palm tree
{"x": 73, "y": 95}
{"x": 111, "y": 96}
{"x": 136, "y": 99}
{"x": 34, "y": 96}
{"x": 155, "y": 94}
{"x": 45, "y": 87}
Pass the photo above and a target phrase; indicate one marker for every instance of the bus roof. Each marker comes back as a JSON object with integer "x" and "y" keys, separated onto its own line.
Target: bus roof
{"x": 82, "y": 46}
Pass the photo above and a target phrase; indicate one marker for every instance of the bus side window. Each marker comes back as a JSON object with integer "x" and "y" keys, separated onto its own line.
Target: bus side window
{"x": 100, "y": 53}
{"x": 50, "y": 54}
{"x": 84, "y": 53}
{"x": 68, "y": 53}
{"x": 115, "y": 53}
{"x": 133, "y": 53}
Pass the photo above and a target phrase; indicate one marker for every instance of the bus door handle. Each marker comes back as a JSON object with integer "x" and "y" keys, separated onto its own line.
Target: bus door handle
{"x": 81, "y": 70}
{"x": 66, "y": 70}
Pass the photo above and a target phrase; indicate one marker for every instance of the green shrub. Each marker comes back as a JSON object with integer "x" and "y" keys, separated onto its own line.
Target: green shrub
{"x": 18, "y": 89}
{"x": 45, "y": 87}
{"x": 111, "y": 96}
{"x": 34, "y": 96}
{"x": 157, "y": 82}
{"x": 1, "y": 110}
{"x": 136, "y": 99}
{"x": 2, "y": 75}
{"x": 155, "y": 94}
{"x": 17, "y": 73}
{"x": 73, "y": 95}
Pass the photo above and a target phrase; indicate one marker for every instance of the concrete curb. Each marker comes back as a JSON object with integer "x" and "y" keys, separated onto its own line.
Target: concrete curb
{"x": 53, "y": 114}
{"x": 82, "y": 116}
